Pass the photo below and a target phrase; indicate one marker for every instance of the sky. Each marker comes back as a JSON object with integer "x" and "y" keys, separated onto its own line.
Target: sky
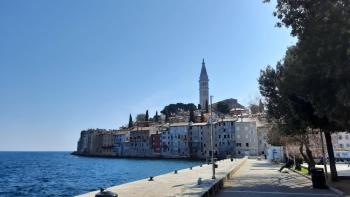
{"x": 70, "y": 65}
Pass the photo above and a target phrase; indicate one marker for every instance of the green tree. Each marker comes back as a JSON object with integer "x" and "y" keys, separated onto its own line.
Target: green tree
{"x": 192, "y": 118}
{"x": 156, "y": 118}
{"x": 130, "y": 121}
{"x": 261, "y": 106}
{"x": 284, "y": 112}
{"x": 146, "y": 116}
{"x": 175, "y": 108}
{"x": 254, "y": 109}
{"x": 222, "y": 107}
{"x": 206, "y": 106}
{"x": 322, "y": 67}
{"x": 166, "y": 116}
{"x": 141, "y": 117}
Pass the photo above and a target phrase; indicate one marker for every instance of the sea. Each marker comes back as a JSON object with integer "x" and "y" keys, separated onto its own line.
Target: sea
{"x": 63, "y": 174}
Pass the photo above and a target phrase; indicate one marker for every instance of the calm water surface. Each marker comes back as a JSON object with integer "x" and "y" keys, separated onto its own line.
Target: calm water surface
{"x": 62, "y": 174}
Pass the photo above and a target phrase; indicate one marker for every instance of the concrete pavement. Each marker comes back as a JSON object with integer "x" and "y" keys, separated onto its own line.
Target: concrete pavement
{"x": 184, "y": 183}
{"x": 260, "y": 178}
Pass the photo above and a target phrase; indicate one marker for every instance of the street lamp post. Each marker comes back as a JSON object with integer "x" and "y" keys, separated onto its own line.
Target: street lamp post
{"x": 211, "y": 136}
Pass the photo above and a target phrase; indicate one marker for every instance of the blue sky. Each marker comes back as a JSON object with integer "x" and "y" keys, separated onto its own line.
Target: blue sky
{"x": 71, "y": 65}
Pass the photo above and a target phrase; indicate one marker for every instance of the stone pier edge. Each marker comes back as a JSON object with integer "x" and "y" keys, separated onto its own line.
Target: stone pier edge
{"x": 219, "y": 184}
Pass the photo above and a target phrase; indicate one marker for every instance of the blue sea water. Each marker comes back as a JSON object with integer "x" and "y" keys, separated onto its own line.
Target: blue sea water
{"x": 62, "y": 174}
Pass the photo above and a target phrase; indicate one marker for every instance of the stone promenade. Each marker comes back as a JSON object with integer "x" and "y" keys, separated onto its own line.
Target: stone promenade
{"x": 184, "y": 183}
{"x": 260, "y": 178}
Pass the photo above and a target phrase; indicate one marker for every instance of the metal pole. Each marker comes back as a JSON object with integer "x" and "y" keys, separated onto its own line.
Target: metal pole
{"x": 211, "y": 136}
{"x": 324, "y": 156}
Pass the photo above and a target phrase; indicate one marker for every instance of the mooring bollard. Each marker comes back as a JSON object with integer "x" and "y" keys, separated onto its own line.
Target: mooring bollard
{"x": 150, "y": 178}
{"x": 199, "y": 181}
{"x": 104, "y": 193}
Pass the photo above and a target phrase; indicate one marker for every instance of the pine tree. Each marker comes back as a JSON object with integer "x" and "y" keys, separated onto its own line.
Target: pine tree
{"x": 156, "y": 117}
{"x": 130, "y": 122}
{"x": 147, "y": 116}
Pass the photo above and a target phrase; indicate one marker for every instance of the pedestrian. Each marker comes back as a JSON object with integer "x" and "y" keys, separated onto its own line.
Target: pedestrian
{"x": 288, "y": 164}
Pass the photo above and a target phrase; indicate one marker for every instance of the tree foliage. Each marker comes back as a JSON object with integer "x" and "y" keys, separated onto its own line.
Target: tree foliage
{"x": 312, "y": 84}
{"x": 175, "y": 108}
{"x": 156, "y": 117}
{"x": 254, "y": 109}
{"x": 206, "y": 106}
{"x": 130, "y": 121}
{"x": 222, "y": 107}
{"x": 141, "y": 117}
{"x": 192, "y": 118}
{"x": 146, "y": 116}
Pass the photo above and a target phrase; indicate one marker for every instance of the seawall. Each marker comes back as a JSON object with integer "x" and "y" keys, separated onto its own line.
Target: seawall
{"x": 182, "y": 183}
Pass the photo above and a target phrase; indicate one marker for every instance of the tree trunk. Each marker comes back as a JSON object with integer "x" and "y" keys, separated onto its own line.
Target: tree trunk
{"x": 334, "y": 174}
{"x": 311, "y": 163}
{"x": 309, "y": 154}
{"x": 301, "y": 150}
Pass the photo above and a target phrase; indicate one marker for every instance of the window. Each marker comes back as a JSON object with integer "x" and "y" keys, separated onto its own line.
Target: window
{"x": 340, "y": 137}
{"x": 238, "y": 144}
{"x": 219, "y": 136}
{"x": 247, "y": 144}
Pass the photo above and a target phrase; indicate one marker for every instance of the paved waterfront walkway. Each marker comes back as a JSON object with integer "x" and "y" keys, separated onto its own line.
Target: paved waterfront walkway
{"x": 184, "y": 183}
{"x": 260, "y": 178}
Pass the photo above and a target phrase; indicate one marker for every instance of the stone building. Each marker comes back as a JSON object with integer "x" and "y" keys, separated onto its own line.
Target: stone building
{"x": 246, "y": 138}
{"x": 174, "y": 141}
{"x": 203, "y": 87}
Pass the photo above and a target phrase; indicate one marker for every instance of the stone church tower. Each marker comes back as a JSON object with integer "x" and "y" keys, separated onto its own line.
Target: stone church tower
{"x": 203, "y": 87}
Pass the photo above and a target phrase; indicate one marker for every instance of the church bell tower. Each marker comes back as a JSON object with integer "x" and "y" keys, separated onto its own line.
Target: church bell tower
{"x": 203, "y": 87}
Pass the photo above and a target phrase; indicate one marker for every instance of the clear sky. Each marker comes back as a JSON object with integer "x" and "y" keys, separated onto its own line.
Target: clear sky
{"x": 71, "y": 65}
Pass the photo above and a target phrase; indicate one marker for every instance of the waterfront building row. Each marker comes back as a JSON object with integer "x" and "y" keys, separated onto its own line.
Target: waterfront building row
{"x": 177, "y": 140}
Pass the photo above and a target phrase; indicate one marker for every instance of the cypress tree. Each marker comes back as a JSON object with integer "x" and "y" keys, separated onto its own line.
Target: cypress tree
{"x": 156, "y": 117}
{"x": 146, "y": 116}
{"x": 130, "y": 122}
{"x": 206, "y": 106}
{"x": 192, "y": 119}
